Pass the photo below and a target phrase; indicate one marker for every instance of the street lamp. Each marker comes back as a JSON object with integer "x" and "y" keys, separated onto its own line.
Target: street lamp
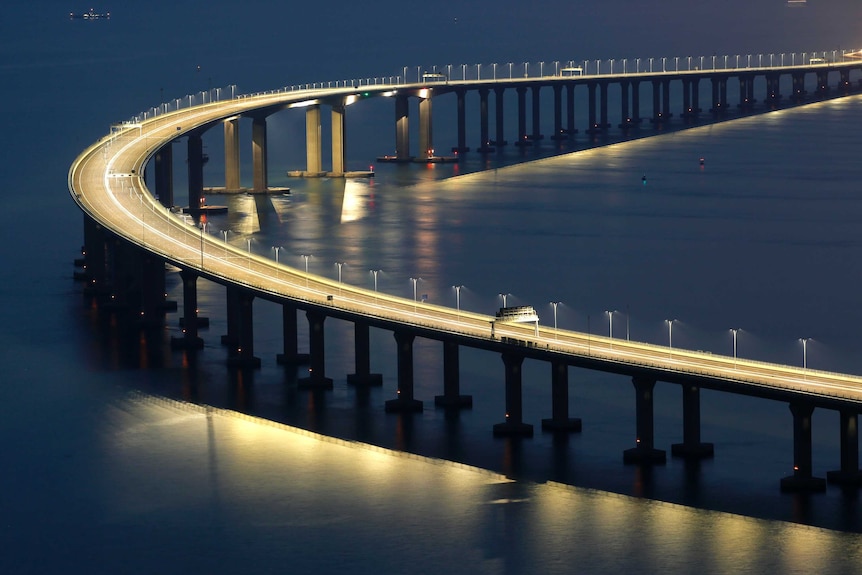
{"x": 275, "y": 250}
{"x": 414, "y": 280}
{"x": 669, "y": 323}
{"x": 504, "y": 296}
{"x": 306, "y": 256}
{"x": 374, "y": 273}
{"x": 805, "y": 341}
{"x": 610, "y": 323}
{"x": 555, "y": 304}
{"x": 457, "y": 297}
{"x": 734, "y": 331}
{"x": 339, "y": 264}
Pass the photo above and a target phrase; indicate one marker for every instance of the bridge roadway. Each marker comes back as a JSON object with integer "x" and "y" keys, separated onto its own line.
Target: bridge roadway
{"x": 107, "y": 182}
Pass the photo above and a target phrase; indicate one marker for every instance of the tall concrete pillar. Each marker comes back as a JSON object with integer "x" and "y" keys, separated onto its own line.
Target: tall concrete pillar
{"x": 95, "y": 257}
{"x": 537, "y": 107}
{"x": 665, "y": 100}
{"x": 625, "y": 114}
{"x": 313, "y": 152}
{"x": 844, "y": 82}
{"x": 231, "y": 338}
{"x": 362, "y": 357}
{"x": 290, "y": 336}
{"x": 691, "y": 447}
{"x": 231, "y": 154}
{"x": 405, "y": 401}
{"x": 402, "y": 128}
{"x": 190, "y": 338}
{"x": 462, "y": 122}
{"x": 164, "y": 160}
{"x": 686, "y": 98}
{"x": 558, "y": 134}
{"x": 316, "y": 347}
{"x": 603, "y": 106}
{"x": 802, "y": 478}
{"x": 591, "y": 109}
{"x": 695, "y": 97}
{"x": 560, "y": 420}
{"x": 644, "y": 451}
{"x": 241, "y": 354}
{"x": 151, "y": 304}
{"x": 339, "y": 139}
{"x": 484, "y": 138}
{"x": 822, "y": 84}
{"x": 722, "y": 94}
{"x": 196, "y": 170}
{"x": 849, "y": 474}
{"x": 452, "y": 379}
{"x": 656, "y": 101}
{"x": 636, "y": 102}
{"x": 500, "y": 139}
{"x": 522, "y": 116}
{"x": 258, "y": 149}
{"x": 514, "y": 423}
{"x": 426, "y": 138}
{"x": 570, "y": 110}
{"x": 716, "y": 103}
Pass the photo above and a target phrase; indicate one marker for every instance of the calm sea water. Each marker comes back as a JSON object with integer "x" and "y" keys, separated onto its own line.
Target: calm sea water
{"x": 121, "y": 456}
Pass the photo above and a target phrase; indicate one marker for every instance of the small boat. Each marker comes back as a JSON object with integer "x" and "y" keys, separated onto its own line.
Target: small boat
{"x": 90, "y": 14}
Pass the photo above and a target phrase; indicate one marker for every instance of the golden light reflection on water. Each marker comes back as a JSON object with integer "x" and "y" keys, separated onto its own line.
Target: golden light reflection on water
{"x": 167, "y": 456}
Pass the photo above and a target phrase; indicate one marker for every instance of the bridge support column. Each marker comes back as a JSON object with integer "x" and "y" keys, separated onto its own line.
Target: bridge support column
{"x": 164, "y": 160}
{"x": 231, "y": 338}
{"x": 514, "y": 424}
{"x": 452, "y": 397}
{"x": 656, "y": 102}
{"x": 849, "y": 474}
{"x": 426, "y": 139}
{"x": 522, "y": 117}
{"x": 231, "y": 155}
{"x": 190, "y": 338}
{"x": 802, "y": 478}
{"x": 570, "y": 110}
{"x": 316, "y": 357}
{"x": 498, "y": 112}
{"x": 636, "y": 102}
{"x": 258, "y": 154}
{"x": 485, "y": 145}
{"x": 822, "y": 84}
{"x": 95, "y": 258}
{"x": 625, "y": 114}
{"x": 691, "y": 447}
{"x": 152, "y": 303}
{"x": 242, "y": 353}
{"x": 405, "y": 401}
{"x": 196, "y": 172}
{"x": 719, "y": 95}
{"x": 603, "y": 106}
{"x": 591, "y": 109}
{"x": 665, "y": 100}
{"x": 844, "y": 82}
{"x": 773, "y": 97}
{"x": 645, "y": 451}
{"x": 695, "y": 97}
{"x": 402, "y": 128}
{"x": 560, "y": 420}
{"x": 291, "y": 355}
{"x": 798, "y": 88}
{"x": 537, "y": 107}
{"x": 339, "y": 139}
{"x": 362, "y": 357}
{"x": 313, "y": 153}
{"x": 686, "y": 98}
{"x": 462, "y": 122}
{"x": 558, "y": 113}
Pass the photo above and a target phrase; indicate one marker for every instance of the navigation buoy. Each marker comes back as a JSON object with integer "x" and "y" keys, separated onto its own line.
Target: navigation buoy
{"x": 643, "y": 179}
{"x": 702, "y": 161}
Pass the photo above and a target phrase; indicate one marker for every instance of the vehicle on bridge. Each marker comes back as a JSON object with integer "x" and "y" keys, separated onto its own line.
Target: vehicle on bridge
{"x": 571, "y": 71}
{"x": 434, "y": 77}
{"x": 517, "y": 314}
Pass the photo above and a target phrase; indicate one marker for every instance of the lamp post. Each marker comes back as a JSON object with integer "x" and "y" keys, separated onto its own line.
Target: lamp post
{"x": 669, "y": 323}
{"x": 735, "y": 332}
{"x": 339, "y": 265}
{"x": 305, "y": 257}
{"x": 415, "y": 281}
{"x": 248, "y": 246}
{"x": 457, "y": 297}
{"x": 610, "y": 324}
{"x": 555, "y": 304}
{"x": 374, "y": 273}
{"x": 804, "y": 341}
{"x": 275, "y": 250}
{"x": 503, "y": 296}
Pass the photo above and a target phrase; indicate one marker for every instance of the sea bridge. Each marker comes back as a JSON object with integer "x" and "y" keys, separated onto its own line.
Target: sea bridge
{"x": 131, "y": 233}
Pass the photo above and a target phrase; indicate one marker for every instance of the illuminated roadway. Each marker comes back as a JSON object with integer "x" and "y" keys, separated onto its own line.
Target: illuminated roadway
{"x": 106, "y": 181}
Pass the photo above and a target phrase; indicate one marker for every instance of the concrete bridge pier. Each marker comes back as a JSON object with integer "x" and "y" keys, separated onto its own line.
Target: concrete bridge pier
{"x": 426, "y": 138}
{"x": 339, "y": 138}
{"x": 746, "y": 92}
{"x": 153, "y": 303}
{"x": 241, "y": 353}
{"x": 95, "y": 258}
{"x": 625, "y": 110}
{"x": 773, "y": 95}
{"x": 402, "y": 128}
{"x": 452, "y": 397}
{"x": 802, "y": 478}
{"x": 190, "y": 338}
{"x": 591, "y": 109}
{"x": 485, "y": 141}
{"x": 313, "y": 149}
{"x": 560, "y": 420}
{"x": 258, "y": 154}
{"x": 822, "y": 84}
{"x": 196, "y": 171}
{"x": 231, "y": 155}
{"x": 849, "y": 474}
{"x": 291, "y": 355}
{"x": 164, "y": 160}
{"x": 405, "y": 401}
{"x": 636, "y": 102}
{"x": 462, "y": 121}
{"x": 317, "y": 365}
{"x": 844, "y": 83}
{"x": 691, "y": 447}
{"x": 514, "y": 424}
{"x": 522, "y": 117}
{"x": 570, "y": 110}
{"x": 603, "y": 106}
{"x": 537, "y": 106}
{"x": 644, "y": 452}
{"x": 798, "y": 88}
{"x": 231, "y": 338}
{"x": 558, "y": 134}
{"x": 500, "y": 139}
{"x": 362, "y": 357}
{"x": 658, "y": 112}
{"x": 719, "y": 95}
